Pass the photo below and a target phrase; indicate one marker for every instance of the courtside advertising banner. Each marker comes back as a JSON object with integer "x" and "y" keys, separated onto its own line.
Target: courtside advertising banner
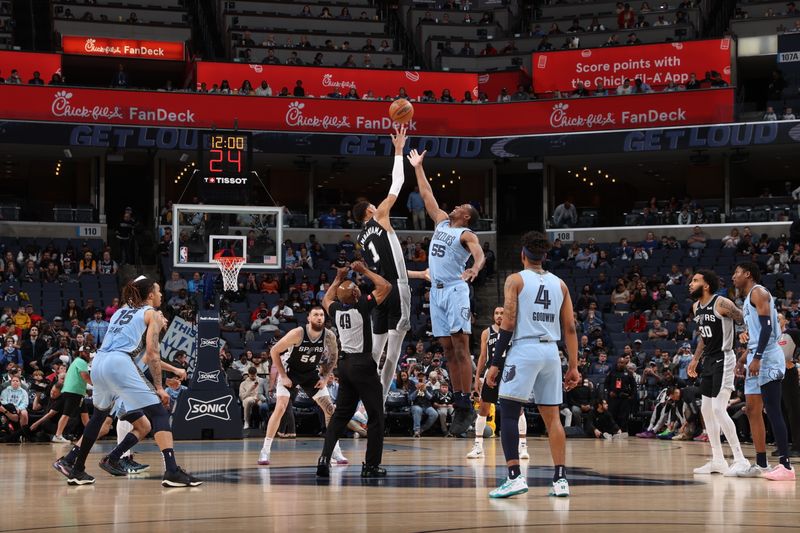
{"x": 181, "y": 335}
{"x": 323, "y": 115}
{"x": 122, "y": 48}
{"x": 26, "y": 63}
{"x": 655, "y": 64}
{"x": 322, "y": 81}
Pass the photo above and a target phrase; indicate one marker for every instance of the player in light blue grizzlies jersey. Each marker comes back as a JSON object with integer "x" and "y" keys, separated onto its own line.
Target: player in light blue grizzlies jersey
{"x": 451, "y": 246}
{"x": 134, "y": 328}
{"x": 765, "y": 367}
{"x": 537, "y": 307}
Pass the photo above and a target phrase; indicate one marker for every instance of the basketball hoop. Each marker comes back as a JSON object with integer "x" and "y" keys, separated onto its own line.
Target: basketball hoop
{"x": 230, "y": 267}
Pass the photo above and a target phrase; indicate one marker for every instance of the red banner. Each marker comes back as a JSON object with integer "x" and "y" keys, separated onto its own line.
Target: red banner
{"x": 140, "y": 108}
{"x": 122, "y": 48}
{"x": 321, "y": 81}
{"x": 492, "y": 83}
{"x": 26, "y": 63}
{"x": 655, "y": 64}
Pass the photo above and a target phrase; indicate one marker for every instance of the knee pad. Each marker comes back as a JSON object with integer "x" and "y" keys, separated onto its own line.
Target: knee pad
{"x": 158, "y": 416}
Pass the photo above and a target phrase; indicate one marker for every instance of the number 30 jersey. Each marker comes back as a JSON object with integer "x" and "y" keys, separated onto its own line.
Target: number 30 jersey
{"x": 382, "y": 250}
{"x": 715, "y": 329}
{"x": 539, "y": 307}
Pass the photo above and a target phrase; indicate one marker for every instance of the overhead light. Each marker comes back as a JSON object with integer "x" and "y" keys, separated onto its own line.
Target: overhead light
{"x": 585, "y": 169}
{"x": 454, "y": 172}
{"x": 451, "y": 182}
{"x": 591, "y": 184}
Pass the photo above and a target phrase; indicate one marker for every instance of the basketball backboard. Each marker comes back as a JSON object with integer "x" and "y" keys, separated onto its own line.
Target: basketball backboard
{"x": 203, "y": 232}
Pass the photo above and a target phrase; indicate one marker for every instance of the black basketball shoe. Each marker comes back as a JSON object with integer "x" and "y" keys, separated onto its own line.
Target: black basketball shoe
{"x": 323, "y": 467}
{"x": 179, "y": 478}
{"x": 372, "y": 470}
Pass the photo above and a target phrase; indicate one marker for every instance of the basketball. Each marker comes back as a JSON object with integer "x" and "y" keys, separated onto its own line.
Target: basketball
{"x": 401, "y": 111}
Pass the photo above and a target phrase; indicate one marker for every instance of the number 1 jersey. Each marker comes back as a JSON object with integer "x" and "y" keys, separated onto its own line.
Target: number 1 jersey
{"x": 382, "y": 250}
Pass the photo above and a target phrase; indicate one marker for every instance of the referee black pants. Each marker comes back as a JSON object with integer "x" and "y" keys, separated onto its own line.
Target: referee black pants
{"x": 791, "y": 404}
{"x": 358, "y": 380}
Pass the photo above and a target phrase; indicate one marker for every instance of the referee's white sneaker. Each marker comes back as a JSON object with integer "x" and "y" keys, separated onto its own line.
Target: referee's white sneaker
{"x": 523, "y": 452}
{"x": 476, "y": 452}
{"x": 560, "y": 488}
{"x": 337, "y": 457}
{"x": 737, "y": 467}
{"x": 263, "y": 457}
{"x": 510, "y": 487}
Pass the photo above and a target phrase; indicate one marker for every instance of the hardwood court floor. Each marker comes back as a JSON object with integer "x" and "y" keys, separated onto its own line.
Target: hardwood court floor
{"x": 632, "y": 485}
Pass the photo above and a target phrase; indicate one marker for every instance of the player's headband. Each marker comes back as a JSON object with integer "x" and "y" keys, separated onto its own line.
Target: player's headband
{"x": 532, "y": 256}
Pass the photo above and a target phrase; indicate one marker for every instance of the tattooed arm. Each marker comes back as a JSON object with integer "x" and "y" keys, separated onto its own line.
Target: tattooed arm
{"x": 728, "y": 309}
{"x": 152, "y": 354}
{"x": 327, "y": 367}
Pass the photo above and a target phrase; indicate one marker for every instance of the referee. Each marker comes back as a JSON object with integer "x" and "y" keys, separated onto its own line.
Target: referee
{"x": 358, "y": 372}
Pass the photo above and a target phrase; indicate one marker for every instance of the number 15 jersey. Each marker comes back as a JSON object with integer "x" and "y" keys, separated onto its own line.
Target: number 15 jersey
{"x": 539, "y": 307}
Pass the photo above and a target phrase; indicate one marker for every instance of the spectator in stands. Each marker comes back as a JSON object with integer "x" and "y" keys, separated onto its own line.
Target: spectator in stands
{"x": 330, "y": 220}
{"x": 776, "y": 87}
{"x": 778, "y": 262}
{"x": 596, "y": 25}
{"x": 544, "y": 45}
{"x": 421, "y": 405}
{"x": 344, "y": 14}
{"x": 97, "y": 327}
{"x": 657, "y": 331}
{"x": 601, "y": 366}
{"x": 682, "y": 359}
{"x": 466, "y": 49}
{"x": 489, "y": 50}
{"x": 298, "y": 90}
{"x": 600, "y": 89}
{"x": 443, "y": 403}
{"x": 716, "y": 79}
{"x": 325, "y": 13}
{"x": 788, "y": 114}
{"x": 636, "y": 322}
{"x": 633, "y": 39}
{"x": 732, "y": 239}
{"x": 576, "y": 26}
{"x": 580, "y": 90}
{"x": 36, "y": 80}
{"x": 565, "y": 214}
{"x": 620, "y": 295}
{"x": 641, "y": 22}
{"x": 349, "y": 62}
{"x": 693, "y": 82}
{"x": 306, "y": 11}
{"x": 769, "y": 114}
{"x": 270, "y": 58}
{"x": 120, "y": 79}
{"x": 586, "y": 259}
{"x": 87, "y": 265}
{"x": 389, "y": 63}
{"x": 625, "y": 88}
{"x": 612, "y": 40}
{"x": 696, "y": 242}
{"x": 318, "y": 61}
{"x": 626, "y": 18}
{"x": 503, "y": 97}
{"x": 642, "y": 87}
{"x": 554, "y": 29}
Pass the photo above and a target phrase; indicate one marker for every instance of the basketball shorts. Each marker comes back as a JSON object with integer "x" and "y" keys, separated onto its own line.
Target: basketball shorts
{"x": 395, "y": 311}
{"x": 532, "y": 373}
{"x": 450, "y": 311}
{"x": 718, "y": 373}
{"x": 115, "y": 376}
{"x": 306, "y": 382}
{"x": 489, "y": 394}
{"x": 773, "y": 368}
{"x": 73, "y": 404}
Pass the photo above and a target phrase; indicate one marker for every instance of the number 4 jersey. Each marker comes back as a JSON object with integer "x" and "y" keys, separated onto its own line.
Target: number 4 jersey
{"x": 539, "y": 307}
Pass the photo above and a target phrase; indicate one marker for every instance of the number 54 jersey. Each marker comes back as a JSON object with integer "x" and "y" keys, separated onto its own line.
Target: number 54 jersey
{"x": 539, "y": 308}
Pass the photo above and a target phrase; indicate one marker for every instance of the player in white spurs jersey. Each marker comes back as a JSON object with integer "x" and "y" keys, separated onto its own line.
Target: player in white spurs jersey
{"x": 451, "y": 246}
{"x": 715, "y": 316}
{"x": 488, "y": 395}
{"x": 382, "y": 251}
{"x": 537, "y": 306}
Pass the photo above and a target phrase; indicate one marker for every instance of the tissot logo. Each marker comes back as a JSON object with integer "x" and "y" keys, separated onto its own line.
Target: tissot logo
{"x": 213, "y": 343}
{"x": 208, "y": 376}
{"x": 216, "y": 408}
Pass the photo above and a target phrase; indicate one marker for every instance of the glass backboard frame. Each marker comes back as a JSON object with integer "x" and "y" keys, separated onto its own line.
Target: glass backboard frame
{"x": 177, "y": 227}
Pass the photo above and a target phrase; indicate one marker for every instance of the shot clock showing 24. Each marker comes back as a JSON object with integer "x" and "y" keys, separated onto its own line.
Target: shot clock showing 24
{"x": 225, "y": 158}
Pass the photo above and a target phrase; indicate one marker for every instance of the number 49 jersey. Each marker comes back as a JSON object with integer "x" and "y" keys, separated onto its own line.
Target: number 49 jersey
{"x": 539, "y": 307}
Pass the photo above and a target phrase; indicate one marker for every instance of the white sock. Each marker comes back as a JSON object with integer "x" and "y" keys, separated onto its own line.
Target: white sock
{"x": 724, "y": 421}
{"x": 522, "y": 425}
{"x": 480, "y": 425}
{"x": 267, "y": 444}
{"x": 712, "y": 429}
{"x": 337, "y": 450}
{"x": 123, "y": 428}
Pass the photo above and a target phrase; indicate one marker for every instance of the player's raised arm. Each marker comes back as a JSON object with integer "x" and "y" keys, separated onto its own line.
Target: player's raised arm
{"x": 398, "y": 177}
{"x": 431, "y": 205}
{"x": 290, "y": 340}
{"x": 570, "y": 338}
{"x": 382, "y": 287}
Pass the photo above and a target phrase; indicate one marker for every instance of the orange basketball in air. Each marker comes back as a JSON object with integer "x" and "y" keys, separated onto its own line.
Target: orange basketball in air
{"x": 401, "y": 111}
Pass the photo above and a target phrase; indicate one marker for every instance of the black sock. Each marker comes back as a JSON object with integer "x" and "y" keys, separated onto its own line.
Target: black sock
{"x": 513, "y": 472}
{"x": 559, "y": 473}
{"x": 761, "y": 459}
{"x": 72, "y": 455}
{"x": 784, "y": 460}
{"x": 169, "y": 460}
{"x": 127, "y": 443}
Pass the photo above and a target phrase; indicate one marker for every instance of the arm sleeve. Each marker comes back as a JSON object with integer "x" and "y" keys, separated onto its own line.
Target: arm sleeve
{"x": 398, "y": 177}
{"x": 764, "y": 336}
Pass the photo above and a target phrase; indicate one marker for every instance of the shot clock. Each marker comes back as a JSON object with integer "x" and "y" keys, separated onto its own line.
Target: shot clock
{"x": 225, "y": 158}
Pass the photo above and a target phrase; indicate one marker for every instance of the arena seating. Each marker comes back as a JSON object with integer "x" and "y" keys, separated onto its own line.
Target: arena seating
{"x": 168, "y": 21}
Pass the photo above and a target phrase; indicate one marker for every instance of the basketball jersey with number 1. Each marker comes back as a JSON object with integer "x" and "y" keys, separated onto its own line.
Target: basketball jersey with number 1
{"x": 539, "y": 307}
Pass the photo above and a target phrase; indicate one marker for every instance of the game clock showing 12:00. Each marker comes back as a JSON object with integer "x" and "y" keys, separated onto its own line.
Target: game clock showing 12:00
{"x": 225, "y": 157}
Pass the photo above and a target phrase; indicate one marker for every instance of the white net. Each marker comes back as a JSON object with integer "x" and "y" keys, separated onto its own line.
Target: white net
{"x": 230, "y": 267}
